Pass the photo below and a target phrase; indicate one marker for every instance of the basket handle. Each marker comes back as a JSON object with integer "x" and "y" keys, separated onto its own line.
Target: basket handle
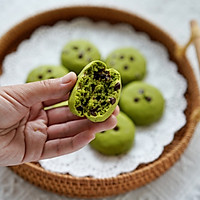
{"x": 181, "y": 50}
{"x": 194, "y": 38}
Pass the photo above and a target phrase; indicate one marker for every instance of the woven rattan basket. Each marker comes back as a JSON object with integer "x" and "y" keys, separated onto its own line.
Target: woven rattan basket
{"x": 88, "y": 186}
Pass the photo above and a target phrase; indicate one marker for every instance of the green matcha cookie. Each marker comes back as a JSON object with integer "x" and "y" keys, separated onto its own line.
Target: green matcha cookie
{"x": 46, "y": 72}
{"x": 117, "y": 140}
{"x": 77, "y": 54}
{"x": 143, "y": 103}
{"x": 96, "y": 93}
{"x": 130, "y": 63}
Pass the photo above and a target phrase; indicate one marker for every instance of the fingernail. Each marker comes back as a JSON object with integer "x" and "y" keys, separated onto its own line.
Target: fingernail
{"x": 68, "y": 78}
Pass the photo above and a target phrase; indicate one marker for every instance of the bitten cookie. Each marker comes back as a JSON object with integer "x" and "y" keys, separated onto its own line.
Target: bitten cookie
{"x": 143, "y": 103}
{"x": 77, "y": 54}
{"x": 96, "y": 93}
{"x": 117, "y": 140}
{"x": 130, "y": 63}
{"x": 46, "y": 72}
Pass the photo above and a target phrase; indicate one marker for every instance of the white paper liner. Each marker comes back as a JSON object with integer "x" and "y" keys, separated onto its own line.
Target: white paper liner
{"x": 44, "y": 47}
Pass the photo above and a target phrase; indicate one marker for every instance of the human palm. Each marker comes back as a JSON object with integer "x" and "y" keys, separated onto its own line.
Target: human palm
{"x": 30, "y": 133}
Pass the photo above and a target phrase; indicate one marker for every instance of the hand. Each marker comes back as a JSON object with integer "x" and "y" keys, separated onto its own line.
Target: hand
{"x": 29, "y": 133}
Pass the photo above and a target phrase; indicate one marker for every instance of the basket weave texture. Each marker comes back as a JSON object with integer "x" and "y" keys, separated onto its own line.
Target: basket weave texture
{"x": 89, "y": 186}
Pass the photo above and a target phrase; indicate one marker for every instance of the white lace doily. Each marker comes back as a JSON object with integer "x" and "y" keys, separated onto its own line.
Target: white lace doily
{"x": 44, "y": 47}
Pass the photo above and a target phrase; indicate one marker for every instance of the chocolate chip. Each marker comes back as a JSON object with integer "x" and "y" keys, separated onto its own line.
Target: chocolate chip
{"x": 101, "y": 68}
{"x": 102, "y": 132}
{"x": 103, "y": 76}
{"x": 131, "y": 58}
{"x": 103, "y": 103}
{"x": 112, "y": 100}
{"x": 86, "y": 102}
{"x": 98, "y": 98}
{"x": 136, "y": 99}
{"x": 121, "y": 57}
{"x": 116, "y": 128}
{"x": 40, "y": 76}
{"x": 80, "y": 56}
{"x": 52, "y": 77}
{"x": 75, "y": 47}
{"x": 49, "y": 70}
{"x": 107, "y": 72}
{"x": 93, "y": 113}
{"x": 79, "y": 108}
{"x": 126, "y": 67}
{"x": 94, "y": 109}
{"x": 108, "y": 78}
{"x": 96, "y": 75}
{"x": 148, "y": 99}
{"x": 93, "y": 86}
{"x": 117, "y": 86}
{"x": 141, "y": 91}
{"x": 89, "y": 49}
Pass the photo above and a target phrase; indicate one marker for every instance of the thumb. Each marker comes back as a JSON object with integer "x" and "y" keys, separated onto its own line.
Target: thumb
{"x": 32, "y": 93}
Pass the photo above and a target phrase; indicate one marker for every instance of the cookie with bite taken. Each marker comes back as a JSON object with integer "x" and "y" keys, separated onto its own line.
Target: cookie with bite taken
{"x": 96, "y": 93}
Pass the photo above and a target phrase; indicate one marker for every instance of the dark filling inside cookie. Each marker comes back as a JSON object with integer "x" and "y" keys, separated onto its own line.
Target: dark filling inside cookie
{"x": 97, "y": 90}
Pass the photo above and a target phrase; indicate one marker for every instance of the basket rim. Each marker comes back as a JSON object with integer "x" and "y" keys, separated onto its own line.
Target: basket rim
{"x": 173, "y": 152}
